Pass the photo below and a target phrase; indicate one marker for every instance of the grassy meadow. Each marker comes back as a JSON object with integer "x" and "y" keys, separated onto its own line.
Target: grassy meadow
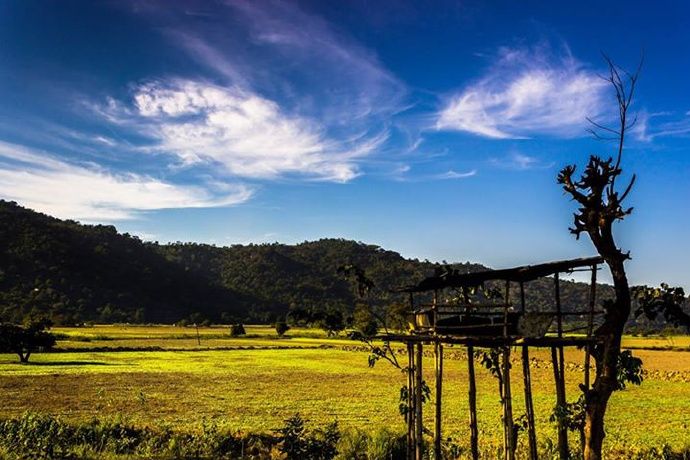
{"x": 161, "y": 376}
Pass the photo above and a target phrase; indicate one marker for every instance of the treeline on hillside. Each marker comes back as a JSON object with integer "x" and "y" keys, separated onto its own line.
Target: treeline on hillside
{"x": 72, "y": 273}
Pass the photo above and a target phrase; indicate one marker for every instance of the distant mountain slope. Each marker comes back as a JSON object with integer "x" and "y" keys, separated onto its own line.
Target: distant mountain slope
{"x": 75, "y": 272}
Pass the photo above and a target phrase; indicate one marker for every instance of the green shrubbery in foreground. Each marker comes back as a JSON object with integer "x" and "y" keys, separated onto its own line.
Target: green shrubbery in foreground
{"x": 46, "y": 437}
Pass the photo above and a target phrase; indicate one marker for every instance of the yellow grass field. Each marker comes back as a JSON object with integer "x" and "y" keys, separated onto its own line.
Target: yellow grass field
{"x": 160, "y": 375}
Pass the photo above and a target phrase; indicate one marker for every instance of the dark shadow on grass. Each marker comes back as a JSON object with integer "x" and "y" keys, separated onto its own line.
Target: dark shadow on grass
{"x": 70, "y": 363}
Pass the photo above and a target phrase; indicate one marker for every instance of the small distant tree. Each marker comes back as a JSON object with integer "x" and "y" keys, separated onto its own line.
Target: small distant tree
{"x": 237, "y": 330}
{"x": 25, "y": 340}
{"x": 281, "y": 328}
{"x": 332, "y": 322}
{"x": 364, "y": 321}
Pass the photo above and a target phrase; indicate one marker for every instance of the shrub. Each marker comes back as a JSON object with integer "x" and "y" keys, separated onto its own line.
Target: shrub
{"x": 299, "y": 444}
{"x": 237, "y": 330}
{"x": 281, "y": 328}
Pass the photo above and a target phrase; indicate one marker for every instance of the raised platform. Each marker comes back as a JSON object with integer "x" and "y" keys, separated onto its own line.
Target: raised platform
{"x": 489, "y": 342}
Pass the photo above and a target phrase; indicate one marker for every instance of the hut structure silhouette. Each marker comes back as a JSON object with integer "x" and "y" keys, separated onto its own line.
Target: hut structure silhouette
{"x": 445, "y": 312}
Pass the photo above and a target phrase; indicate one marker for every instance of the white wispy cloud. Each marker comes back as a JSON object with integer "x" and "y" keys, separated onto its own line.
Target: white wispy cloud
{"x": 650, "y": 126}
{"x": 247, "y": 134}
{"x": 346, "y": 80}
{"x": 321, "y": 117}
{"x": 527, "y": 93}
{"x": 450, "y": 174}
{"x": 519, "y": 161}
{"x": 86, "y": 192}
{"x": 403, "y": 173}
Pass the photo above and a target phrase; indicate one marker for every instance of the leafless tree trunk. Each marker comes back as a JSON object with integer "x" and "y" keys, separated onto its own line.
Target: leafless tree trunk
{"x": 601, "y": 206}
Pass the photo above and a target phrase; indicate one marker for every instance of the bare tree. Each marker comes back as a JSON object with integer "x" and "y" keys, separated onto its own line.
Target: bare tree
{"x": 600, "y": 206}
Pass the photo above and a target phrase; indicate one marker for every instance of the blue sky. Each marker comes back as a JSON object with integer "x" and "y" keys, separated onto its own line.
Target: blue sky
{"x": 435, "y": 130}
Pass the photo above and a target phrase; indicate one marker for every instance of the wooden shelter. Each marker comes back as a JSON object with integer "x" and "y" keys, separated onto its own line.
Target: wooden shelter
{"x": 443, "y": 313}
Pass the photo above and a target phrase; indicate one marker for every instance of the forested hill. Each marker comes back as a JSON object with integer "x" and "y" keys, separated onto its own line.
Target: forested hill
{"x": 74, "y": 273}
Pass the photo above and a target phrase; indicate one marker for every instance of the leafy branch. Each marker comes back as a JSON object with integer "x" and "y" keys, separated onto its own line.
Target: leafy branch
{"x": 665, "y": 300}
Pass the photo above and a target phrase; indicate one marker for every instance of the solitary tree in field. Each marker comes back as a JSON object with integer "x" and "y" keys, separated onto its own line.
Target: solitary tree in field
{"x": 281, "y": 328}
{"x": 600, "y": 199}
{"x": 25, "y": 340}
{"x": 332, "y": 321}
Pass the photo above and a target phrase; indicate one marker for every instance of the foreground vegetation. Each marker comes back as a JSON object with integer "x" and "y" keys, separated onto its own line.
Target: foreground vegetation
{"x": 162, "y": 381}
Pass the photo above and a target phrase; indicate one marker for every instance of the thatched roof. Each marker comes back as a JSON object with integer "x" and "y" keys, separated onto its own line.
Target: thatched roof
{"x": 455, "y": 279}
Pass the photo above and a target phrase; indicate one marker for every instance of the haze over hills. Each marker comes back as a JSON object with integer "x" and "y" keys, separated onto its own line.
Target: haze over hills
{"x": 73, "y": 273}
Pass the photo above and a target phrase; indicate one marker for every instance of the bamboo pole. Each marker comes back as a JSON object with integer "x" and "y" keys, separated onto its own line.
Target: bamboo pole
{"x": 472, "y": 396}
{"x": 590, "y": 323}
{"x": 529, "y": 407}
{"x": 560, "y": 401}
{"x": 419, "y": 441}
{"x": 410, "y": 402}
{"x": 508, "y": 407}
{"x": 439, "y": 399}
{"x": 559, "y": 374}
{"x": 559, "y": 313}
{"x": 472, "y": 389}
{"x": 506, "y": 397}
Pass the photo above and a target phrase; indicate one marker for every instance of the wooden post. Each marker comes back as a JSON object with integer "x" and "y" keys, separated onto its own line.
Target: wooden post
{"x": 410, "y": 402}
{"x": 529, "y": 407}
{"x": 559, "y": 323}
{"x": 590, "y": 323}
{"x": 435, "y": 310}
{"x": 563, "y": 448}
{"x": 559, "y": 374}
{"x": 472, "y": 389}
{"x": 508, "y": 407}
{"x": 505, "y": 310}
{"x": 419, "y": 440}
{"x": 439, "y": 398}
{"x": 472, "y": 396}
{"x": 506, "y": 396}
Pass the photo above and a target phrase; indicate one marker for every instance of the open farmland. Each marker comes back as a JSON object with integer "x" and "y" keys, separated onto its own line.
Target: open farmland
{"x": 161, "y": 376}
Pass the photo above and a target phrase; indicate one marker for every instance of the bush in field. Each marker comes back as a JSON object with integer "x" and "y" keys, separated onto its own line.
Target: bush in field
{"x": 333, "y": 322}
{"x": 299, "y": 444}
{"x": 380, "y": 445}
{"x": 281, "y": 328}
{"x": 364, "y": 321}
{"x": 24, "y": 340}
{"x": 237, "y": 330}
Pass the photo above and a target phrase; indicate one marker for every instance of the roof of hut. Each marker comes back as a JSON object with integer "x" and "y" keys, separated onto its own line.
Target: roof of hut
{"x": 454, "y": 278}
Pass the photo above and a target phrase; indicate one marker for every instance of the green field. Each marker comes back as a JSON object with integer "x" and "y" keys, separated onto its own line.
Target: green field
{"x": 161, "y": 376}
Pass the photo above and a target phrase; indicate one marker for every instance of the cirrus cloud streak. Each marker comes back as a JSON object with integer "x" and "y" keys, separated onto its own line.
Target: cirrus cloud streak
{"x": 48, "y": 184}
{"x": 524, "y": 94}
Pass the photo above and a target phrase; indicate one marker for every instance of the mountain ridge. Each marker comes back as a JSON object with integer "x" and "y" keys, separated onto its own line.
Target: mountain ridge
{"x": 74, "y": 272}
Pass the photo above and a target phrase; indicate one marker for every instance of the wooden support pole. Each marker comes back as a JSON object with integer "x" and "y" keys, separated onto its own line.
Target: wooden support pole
{"x": 439, "y": 398}
{"x": 505, "y": 310}
{"x": 472, "y": 389}
{"x": 590, "y": 323}
{"x": 419, "y": 427}
{"x": 508, "y": 407}
{"x": 435, "y": 310}
{"x": 472, "y": 396}
{"x": 410, "y": 402}
{"x": 529, "y": 407}
{"x": 559, "y": 380}
{"x": 559, "y": 313}
{"x": 506, "y": 397}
